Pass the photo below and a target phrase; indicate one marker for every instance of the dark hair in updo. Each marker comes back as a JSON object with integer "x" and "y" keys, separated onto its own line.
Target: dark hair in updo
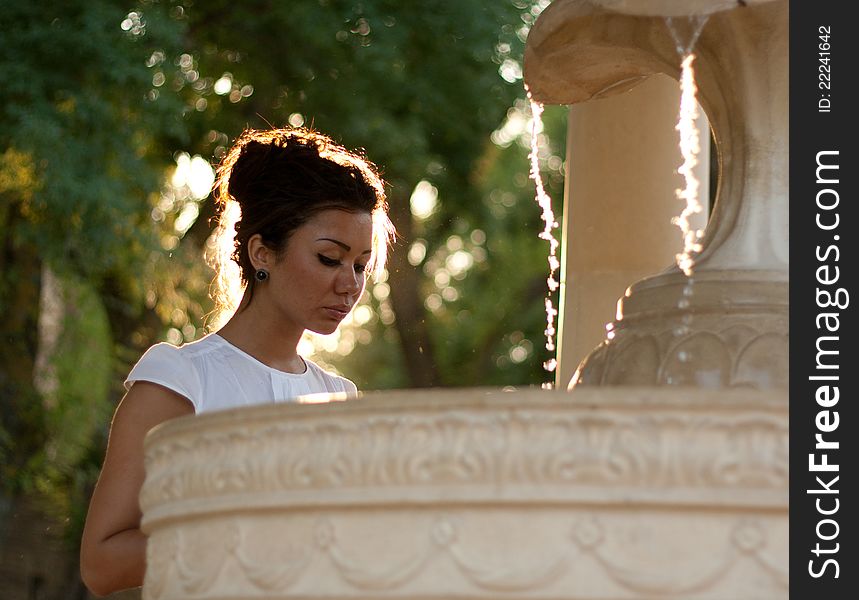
{"x": 271, "y": 182}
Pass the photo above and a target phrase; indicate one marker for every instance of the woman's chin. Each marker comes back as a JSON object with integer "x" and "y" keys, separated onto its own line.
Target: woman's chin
{"x": 325, "y": 328}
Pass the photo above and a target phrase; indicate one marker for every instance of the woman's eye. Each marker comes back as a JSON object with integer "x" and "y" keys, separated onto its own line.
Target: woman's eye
{"x": 360, "y": 268}
{"x": 328, "y": 262}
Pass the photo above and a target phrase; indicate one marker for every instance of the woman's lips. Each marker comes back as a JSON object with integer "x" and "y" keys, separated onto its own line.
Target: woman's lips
{"x": 337, "y": 312}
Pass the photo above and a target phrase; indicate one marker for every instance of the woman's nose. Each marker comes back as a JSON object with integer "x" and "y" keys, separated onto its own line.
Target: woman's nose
{"x": 349, "y": 282}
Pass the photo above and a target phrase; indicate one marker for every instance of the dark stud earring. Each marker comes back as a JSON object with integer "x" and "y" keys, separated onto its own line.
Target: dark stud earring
{"x": 261, "y": 275}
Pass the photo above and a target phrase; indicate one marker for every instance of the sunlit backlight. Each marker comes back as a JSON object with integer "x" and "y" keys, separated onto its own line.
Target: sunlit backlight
{"x": 690, "y": 147}
{"x": 362, "y": 27}
{"x": 156, "y": 58}
{"x": 423, "y": 200}
{"x": 549, "y": 223}
{"x": 515, "y": 126}
{"x": 223, "y": 85}
{"x": 518, "y": 354}
{"x": 459, "y": 263}
{"x": 330, "y": 343}
{"x": 417, "y": 252}
{"x": 196, "y": 173}
{"x": 219, "y": 249}
{"x": 381, "y": 291}
{"x": 322, "y": 398}
{"x": 441, "y": 278}
{"x": 306, "y": 347}
{"x": 296, "y": 119}
{"x": 363, "y": 314}
{"x": 510, "y": 70}
{"x": 134, "y": 24}
{"x": 433, "y": 302}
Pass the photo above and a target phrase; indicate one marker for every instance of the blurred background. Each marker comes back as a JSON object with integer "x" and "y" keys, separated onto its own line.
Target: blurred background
{"x": 112, "y": 117}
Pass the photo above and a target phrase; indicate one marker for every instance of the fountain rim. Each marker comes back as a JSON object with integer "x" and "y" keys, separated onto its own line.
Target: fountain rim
{"x": 173, "y": 450}
{"x": 482, "y": 399}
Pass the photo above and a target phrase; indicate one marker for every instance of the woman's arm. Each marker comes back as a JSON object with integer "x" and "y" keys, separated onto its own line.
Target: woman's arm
{"x": 113, "y": 549}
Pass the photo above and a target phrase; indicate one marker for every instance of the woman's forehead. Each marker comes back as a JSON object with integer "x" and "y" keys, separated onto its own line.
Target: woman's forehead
{"x": 349, "y": 228}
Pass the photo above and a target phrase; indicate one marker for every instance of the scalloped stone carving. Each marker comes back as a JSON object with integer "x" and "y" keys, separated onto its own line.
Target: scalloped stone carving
{"x": 714, "y": 341}
{"x": 603, "y": 493}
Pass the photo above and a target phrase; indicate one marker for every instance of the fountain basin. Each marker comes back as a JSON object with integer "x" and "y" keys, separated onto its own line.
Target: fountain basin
{"x": 474, "y": 493}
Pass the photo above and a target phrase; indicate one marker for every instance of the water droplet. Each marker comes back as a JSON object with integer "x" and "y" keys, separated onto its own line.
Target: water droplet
{"x": 683, "y": 356}
{"x": 683, "y": 303}
{"x": 681, "y": 330}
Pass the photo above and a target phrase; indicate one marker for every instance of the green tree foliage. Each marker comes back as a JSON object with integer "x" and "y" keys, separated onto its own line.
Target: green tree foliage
{"x": 81, "y": 154}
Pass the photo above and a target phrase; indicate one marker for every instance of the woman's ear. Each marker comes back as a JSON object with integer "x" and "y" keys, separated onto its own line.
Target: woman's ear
{"x": 261, "y": 256}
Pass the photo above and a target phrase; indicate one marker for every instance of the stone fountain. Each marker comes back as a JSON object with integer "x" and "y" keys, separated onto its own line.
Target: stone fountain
{"x": 734, "y": 325}
{"x": 639, "y": 490}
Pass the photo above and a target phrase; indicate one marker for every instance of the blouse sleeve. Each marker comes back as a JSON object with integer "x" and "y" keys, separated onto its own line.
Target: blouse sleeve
{"x": 166, "y": 365}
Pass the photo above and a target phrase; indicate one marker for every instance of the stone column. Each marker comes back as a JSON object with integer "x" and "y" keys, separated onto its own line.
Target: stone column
{"x": 623, "y": 152}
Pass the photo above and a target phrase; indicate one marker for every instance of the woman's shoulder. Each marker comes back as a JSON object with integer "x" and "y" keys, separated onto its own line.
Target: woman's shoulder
{"x": 174, "y": 367}
{"x": 190, "y": 351}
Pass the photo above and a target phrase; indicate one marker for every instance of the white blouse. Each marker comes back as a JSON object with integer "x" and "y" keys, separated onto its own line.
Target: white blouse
{"x": 215, "y": 375}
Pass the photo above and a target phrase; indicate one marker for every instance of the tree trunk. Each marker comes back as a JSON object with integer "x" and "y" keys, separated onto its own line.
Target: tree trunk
{"x": 406, "y": 299}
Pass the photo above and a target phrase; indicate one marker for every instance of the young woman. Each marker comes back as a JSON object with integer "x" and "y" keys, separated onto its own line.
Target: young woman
{"x": 313, "y": 222}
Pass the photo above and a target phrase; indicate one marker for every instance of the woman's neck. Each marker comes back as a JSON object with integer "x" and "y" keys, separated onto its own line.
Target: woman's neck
{"x": 259, "y": 333}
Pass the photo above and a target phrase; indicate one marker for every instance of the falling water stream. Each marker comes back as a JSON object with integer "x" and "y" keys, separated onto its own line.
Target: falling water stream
{"x": 549, "y": 223}
{"x": 690, "y": 147}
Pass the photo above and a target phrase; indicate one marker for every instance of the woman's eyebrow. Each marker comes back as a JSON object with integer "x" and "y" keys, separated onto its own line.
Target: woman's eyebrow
{"x": 346, "y": 247}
